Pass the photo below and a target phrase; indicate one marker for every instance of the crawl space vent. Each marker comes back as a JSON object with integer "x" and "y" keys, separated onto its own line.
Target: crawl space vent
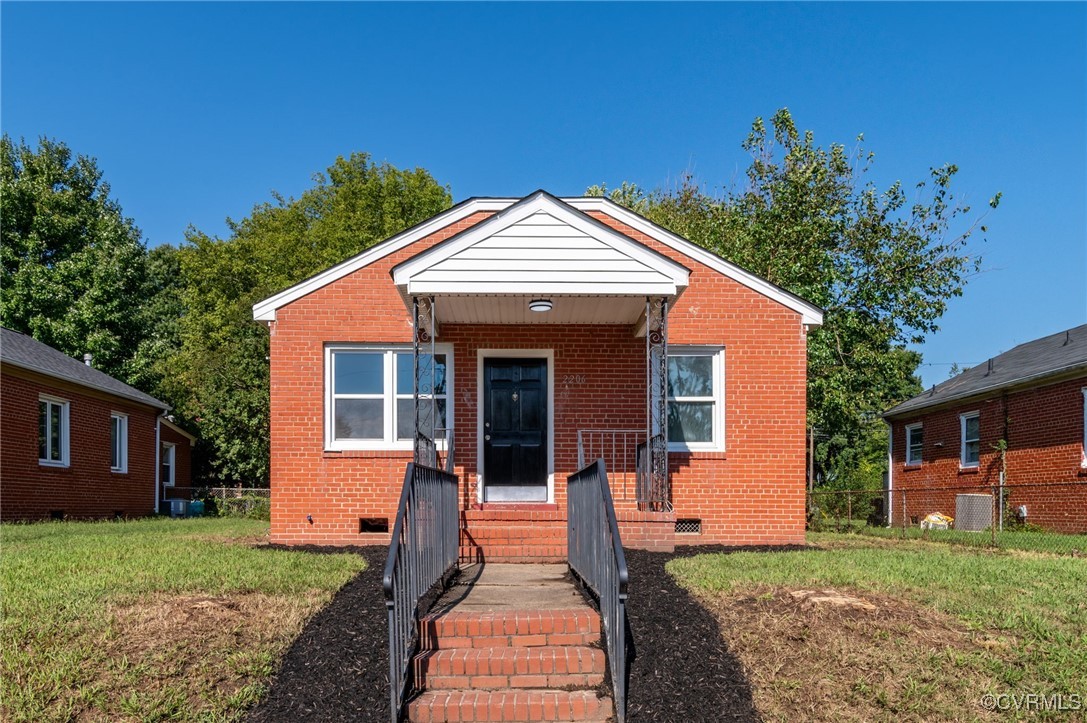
{"x": 688, "y": 527}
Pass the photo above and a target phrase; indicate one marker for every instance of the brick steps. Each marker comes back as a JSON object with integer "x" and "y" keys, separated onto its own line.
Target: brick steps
{"x": 510, "y": 665}
{"x": 530, "y": 533}
{"x": 549, "y": 666}
{"x": 509, "y": 705}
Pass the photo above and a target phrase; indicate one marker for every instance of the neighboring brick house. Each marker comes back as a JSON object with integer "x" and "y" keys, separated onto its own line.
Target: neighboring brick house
{"x": 78, "y": 443}
{"x": 945, "y": 441}
{"x": 550, "y": 318}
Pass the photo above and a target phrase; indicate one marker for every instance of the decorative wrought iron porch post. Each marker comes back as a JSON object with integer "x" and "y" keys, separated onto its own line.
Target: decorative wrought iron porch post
{"x": 658, "y": 495}
{"x": 423, "y": 365}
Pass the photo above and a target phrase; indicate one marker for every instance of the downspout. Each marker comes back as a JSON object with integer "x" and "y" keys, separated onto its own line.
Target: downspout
{"x": 158, "y": 462}
{"x": 888, "y": 487}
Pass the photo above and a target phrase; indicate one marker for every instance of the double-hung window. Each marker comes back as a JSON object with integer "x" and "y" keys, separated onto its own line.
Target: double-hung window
{"x": 167, "y": 464}
{"x": 970, "y": 426}
{"x": 914, "y": 443}
{"x": 696, "y": 398}
{"x": 370, "y": 401}
{"x": 52, "y": 431}
{"x": 118, "y": 442}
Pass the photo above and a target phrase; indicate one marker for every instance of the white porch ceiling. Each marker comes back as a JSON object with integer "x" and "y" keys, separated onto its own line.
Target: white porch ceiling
{"x": 514, "y": 310}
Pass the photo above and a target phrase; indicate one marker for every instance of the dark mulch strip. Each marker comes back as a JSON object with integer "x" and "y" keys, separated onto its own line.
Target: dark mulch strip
{"x": 681, "y": 668}
{"x": 338, "y": 668}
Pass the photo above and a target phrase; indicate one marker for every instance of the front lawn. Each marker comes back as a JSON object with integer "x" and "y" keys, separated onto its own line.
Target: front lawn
{"x": 951, "y": 624}
{"x": 150, "y": 620}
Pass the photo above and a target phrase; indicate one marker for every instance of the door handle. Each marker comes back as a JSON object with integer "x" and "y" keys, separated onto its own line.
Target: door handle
{"x": 487, "y": 437}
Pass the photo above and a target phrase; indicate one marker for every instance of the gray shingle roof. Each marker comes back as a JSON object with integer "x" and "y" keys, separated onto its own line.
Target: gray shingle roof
{"x": 1035, "y": 360}
{"x": 22, "y": 351}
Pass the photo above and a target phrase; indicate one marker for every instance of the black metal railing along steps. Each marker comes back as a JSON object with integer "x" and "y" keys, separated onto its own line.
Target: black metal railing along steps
{"x": 422, "y": 559}
{"x": 595, "y": 554}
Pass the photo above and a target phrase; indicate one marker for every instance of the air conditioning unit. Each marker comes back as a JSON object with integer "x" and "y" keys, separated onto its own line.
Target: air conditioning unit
{"x": 179, "y": 508}
{"x": 973, "y": 513}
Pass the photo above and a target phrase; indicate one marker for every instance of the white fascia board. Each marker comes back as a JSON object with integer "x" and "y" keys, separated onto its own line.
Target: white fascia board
{"x": 810, "y": 314}
{"x": 266, "y": 310}
{"x": 424, "y": 288}
{"x": 541, "y": 202}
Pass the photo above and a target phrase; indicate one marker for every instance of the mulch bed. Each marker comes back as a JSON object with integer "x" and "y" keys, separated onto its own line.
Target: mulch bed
{"x": 338, "y": 668}
{"x": 680, "y": 668}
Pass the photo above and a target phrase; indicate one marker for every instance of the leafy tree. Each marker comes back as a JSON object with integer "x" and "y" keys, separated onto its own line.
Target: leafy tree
{"x": 882, "y": 264}
{"x": 219, "y": 375}
{"x": 73, "y": 267}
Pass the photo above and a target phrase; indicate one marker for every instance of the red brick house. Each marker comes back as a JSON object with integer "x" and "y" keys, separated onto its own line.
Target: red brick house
{"x": 945, "y": 441}
{"x": 538, "y": 334}
{"x": 78, "y": 443}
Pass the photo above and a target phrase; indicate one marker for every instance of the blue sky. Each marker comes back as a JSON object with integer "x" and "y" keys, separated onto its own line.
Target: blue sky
{"x": 198, "y": 111}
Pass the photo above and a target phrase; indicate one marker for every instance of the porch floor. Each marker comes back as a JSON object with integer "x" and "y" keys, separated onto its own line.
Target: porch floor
{"x": 498, "y": 587}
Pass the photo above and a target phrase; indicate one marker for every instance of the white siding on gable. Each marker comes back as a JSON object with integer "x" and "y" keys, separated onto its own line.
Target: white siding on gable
{"x": 544, "y": 249}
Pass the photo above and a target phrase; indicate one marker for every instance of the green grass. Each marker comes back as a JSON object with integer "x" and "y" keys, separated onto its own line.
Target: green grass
{"x": 155, "y": 619}
{"x": 1032, "y": 606}
{"x": 1030, "y": 541}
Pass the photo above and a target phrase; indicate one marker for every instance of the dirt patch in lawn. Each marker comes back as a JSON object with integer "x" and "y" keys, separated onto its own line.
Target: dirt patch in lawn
{"x": 844, "y": 655}
{"x": 191, "y": 650}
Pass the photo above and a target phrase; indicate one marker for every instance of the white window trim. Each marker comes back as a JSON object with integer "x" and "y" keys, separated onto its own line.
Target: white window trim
{"x": 389, "y": 396}
{"x": 65, "y": 439}
{"x": 123, "y": 467}
{"x": 172, "y": 449}
{"x": 963, "y": 464}
{"x": 910, "y": 461}
{"x": 718, "y": 355}
{"x": 549, "y": 356}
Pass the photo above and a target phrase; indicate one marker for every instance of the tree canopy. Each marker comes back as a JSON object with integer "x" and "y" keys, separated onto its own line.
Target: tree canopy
{"x": 881, "y": 263}
{"x": 218, "y": 374}
{"x": 72, "y": 267}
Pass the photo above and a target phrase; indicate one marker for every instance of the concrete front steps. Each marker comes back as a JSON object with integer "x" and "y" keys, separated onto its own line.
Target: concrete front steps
{"x": 512, "y": 652}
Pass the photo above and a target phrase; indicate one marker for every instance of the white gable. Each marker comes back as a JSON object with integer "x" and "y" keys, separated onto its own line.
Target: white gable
{"x": 541, "y": 246}
{"x": 810, "y": 314}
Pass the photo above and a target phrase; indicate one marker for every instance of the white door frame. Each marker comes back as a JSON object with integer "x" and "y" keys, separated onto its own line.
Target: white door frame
{"x": 549, "y": 356}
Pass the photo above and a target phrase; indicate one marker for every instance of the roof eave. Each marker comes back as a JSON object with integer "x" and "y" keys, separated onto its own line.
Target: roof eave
{"x": 1049, "y": 377}
{"x": 158, "y": 404}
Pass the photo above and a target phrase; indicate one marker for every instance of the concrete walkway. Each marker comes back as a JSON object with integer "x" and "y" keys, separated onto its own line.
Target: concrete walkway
{"x": 495, "y": 587}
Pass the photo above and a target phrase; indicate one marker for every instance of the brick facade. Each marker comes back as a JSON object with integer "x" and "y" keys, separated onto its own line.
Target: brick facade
{"x": 86, "y": 488}
{"x": 752, "y": 493}
{"x": 182, "y": 488}
{"x": 1043, "y": 427}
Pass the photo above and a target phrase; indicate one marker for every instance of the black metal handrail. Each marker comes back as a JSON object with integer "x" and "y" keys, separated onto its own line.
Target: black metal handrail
{"x": 595, "y": 553}
{"x": 422, "y": 556}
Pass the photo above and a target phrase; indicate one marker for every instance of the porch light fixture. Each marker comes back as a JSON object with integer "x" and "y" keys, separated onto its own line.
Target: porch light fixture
{"x": 540, "y": 305}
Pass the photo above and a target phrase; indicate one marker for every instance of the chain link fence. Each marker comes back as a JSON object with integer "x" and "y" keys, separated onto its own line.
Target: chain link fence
{"x": 249, "y": 502}
{"x": 1043, "y": 517}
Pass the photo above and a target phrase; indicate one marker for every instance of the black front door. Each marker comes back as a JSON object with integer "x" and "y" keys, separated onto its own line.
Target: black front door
{"x": 515, "y": 430}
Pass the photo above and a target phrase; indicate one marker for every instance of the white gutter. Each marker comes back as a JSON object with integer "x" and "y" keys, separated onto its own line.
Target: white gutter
{"x": 158, "y": 462}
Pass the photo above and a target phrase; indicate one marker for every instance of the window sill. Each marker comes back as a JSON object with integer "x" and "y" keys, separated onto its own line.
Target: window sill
{"x": 970, "y": 470}
{"x": 54, "y": 465}
{"x": 911, "y": 466}
{"x": 368, "y": 453}
{"x": 702, "y": 453}
{"x": 118, "y": 471}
